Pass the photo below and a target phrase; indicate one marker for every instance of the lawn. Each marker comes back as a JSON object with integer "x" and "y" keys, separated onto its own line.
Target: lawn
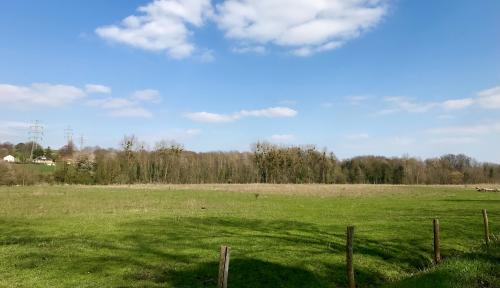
{"x": 281, "y": 236}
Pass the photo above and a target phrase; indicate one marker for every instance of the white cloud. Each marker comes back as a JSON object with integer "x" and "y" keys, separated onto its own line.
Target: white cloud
{"x": 457, "y": 103}
{"x": 111, "y": 103}
{"x": 39, "y": 94}
{"x": 121, "y": 107}
{"x": 128, "y": 107}
{"x": 164, "y": 25}
{"x": 97, "y": 89}
{"x": 487, "y": 99}
{"x": 282, "y": 137}
{"x": 149, "y": 95}
{"x": 210, "y": 117}
{"x": 490, "y": 98}
{"x": 407, "y": 105}
{"x": 467, "y": 130}
{"x": 275, "y": 112}
{"x": 304, "y": 26}
{"x": 134, "y": 112}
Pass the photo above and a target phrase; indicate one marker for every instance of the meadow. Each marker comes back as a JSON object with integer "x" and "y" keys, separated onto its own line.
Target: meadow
{"x": 280, "y": 235}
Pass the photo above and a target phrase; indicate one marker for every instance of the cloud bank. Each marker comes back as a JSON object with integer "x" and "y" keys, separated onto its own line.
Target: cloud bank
{"x": 303, "y": 27}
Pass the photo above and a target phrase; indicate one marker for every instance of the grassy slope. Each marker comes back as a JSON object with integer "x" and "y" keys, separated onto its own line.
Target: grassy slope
{"x": 135, "y": 237}
{"x": 39, "y": 168}
{"x": 478, "y": 268}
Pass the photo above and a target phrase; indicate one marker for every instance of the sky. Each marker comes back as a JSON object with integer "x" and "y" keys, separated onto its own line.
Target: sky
{"x": 357, "y": 77}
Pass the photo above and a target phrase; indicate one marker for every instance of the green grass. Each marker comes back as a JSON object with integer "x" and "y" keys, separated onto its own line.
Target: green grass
{"x": 77, "y": 236}
{"x": 39, "y": 168}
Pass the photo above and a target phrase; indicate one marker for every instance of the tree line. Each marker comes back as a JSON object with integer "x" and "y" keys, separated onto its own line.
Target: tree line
{"x": 169, "y": 162}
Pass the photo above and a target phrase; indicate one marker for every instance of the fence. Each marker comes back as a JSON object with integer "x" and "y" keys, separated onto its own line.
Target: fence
{"x": 351, "y": 281}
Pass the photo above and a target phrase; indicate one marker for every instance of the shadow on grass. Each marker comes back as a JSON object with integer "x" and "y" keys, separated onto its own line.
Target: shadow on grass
{"x": 244, "y": 272}
{"x": 480, "y": 268}
{"x": 182, "y": 252}
{"x": 300, "y": 244}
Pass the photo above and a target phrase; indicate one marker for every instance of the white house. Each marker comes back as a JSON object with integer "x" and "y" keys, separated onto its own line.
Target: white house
{"x": 9, "y": 158}
{"x": 44, "y": 160}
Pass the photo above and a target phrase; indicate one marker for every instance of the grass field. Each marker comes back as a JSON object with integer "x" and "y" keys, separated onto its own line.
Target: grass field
{"x": 281, "y": 236}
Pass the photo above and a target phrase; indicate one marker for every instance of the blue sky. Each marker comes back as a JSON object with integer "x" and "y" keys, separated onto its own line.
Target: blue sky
{"x": 357, "y": 77}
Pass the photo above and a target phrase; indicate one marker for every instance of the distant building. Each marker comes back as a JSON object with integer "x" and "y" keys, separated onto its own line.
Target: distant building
{"x": 44, "y": 160}
{"x": 9, "y": 158}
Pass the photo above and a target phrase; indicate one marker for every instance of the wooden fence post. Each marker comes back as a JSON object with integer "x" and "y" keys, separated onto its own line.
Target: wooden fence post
{"x": 437, "y": 248}
{"x": 224, "y": 266}
{"x": 349, "y": 257}
{"x": 486, "y": 228}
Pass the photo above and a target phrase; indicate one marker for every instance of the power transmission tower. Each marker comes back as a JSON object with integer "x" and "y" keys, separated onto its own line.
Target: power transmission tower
{"x": 35, "y": 136}
{"x": 82, "y": 141}
{"x": 68, "y": 134}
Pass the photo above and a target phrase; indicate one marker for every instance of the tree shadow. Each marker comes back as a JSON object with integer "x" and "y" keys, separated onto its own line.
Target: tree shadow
{"x": 280, "y": 237}
{"x": 243, "y": 272}
{"x": 182, "y": 252}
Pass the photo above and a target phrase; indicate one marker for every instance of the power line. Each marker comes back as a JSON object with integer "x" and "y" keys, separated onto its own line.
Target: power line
{"x": 68, "y": 134}
{"x": 35, "y": 136}
{"x": 82, "y": 141}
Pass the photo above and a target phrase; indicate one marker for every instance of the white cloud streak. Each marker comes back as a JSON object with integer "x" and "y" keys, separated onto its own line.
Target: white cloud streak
{"x": 490, "y": 98}
{"x": 462, "y": 135}
{"x": 467, "y": 130}
{"x": 405, "y": 104}
{"x": 149, "y": 95}
{"x": 457, "y": 104}
{"x": 112, "y": 103}
{"x": 39, "y": 94}
{"x": 131, "y": 112}
{"x": 274, "y": 112}
{"x": 486, "y": 99}
{"x": 128, "y": 107}
{"x": 97, "y": 89}
{"x": 121, "y": 107}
